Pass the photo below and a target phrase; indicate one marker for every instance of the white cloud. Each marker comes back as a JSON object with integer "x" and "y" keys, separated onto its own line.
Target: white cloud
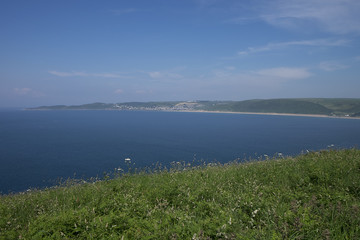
{"x": 335, "y": 16}
{"x": 64, "y": 74}
{"x": 155, "y": 74}
{"x": 84, "y": 74}
{"x": 310, "y": 43}
{"x": 285, "y": 73}
{"x": 332, "y": 66}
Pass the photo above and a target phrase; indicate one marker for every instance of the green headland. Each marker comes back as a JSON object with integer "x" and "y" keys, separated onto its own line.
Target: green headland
{"x": 340, "y": 107}
{"x": 311, "y": 196}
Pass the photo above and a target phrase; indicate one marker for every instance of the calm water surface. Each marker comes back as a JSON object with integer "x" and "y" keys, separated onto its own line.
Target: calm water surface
{"x": 39, "y": 147}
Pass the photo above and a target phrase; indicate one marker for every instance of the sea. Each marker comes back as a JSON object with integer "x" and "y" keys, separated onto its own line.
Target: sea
{"x": 40, "y": 149}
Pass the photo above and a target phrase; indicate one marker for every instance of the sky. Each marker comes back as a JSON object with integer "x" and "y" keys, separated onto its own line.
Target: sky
{"x": 83, "y": 51}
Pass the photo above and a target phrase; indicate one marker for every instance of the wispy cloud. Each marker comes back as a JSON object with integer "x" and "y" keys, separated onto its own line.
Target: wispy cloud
{"x": 28, "y": 92}
{"x": 85, "y": 74}
{"x": 285, "y": 72}
{"x": 119, "y": 91}
{"x": 335, "y": 16}
{"x": 22, "y": 91}
{"x": 164, "y": 75}
{"x": 330, "y": 66}
{"x": 242, "y": 20}
{"x": 310, "y": 43}
{"x": 224, "y": 72}
{"x": 262, "y": 78}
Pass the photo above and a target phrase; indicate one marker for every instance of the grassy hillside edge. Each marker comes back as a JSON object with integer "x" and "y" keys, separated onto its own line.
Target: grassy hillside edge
{"x": 312, "y": 196}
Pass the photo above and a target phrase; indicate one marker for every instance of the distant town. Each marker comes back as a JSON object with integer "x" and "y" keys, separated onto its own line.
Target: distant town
{"x": 181, "y": 106}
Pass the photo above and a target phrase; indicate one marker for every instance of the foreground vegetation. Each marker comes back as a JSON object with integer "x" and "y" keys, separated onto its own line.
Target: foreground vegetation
{"x": 312, "y": 196}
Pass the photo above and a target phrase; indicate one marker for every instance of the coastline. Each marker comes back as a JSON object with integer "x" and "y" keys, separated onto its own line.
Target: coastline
{"x": 298, "y": 107}
{"x": 271, "y": 114}
{"x": 207, "y": 111}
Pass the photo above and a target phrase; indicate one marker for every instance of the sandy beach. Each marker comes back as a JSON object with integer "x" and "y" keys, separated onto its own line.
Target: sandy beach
{"x": 274, "y": 114}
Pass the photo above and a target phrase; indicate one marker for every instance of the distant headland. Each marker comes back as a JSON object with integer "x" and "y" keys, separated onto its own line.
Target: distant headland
{"x": 330, "y": 107}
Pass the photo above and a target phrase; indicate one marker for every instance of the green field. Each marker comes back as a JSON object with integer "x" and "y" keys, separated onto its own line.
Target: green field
{"x": 341, "y": 107}
{"x": 312, "y": 196}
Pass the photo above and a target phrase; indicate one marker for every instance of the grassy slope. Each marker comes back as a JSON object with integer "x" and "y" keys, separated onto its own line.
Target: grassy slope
{"x": 314, "y": 196}
{"x": 295, "y": 106}
{"x": 339, "y": 105}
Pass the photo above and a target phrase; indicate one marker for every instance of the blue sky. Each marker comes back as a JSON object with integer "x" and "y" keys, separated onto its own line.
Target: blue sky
{"x": 84, "y": 51}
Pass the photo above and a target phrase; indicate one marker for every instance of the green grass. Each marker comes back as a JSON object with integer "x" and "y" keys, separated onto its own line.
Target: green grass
{"x": 312, "y": 196}
{"x": 293, "y": 106}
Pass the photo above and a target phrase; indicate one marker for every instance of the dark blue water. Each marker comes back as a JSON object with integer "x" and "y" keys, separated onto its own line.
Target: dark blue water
{"x": 39, "y": 147}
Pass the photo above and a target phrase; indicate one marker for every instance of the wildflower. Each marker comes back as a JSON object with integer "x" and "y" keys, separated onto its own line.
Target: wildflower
{"x": 255, "y": 212}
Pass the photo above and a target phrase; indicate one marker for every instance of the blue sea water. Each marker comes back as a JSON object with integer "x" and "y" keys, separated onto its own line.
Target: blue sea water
{"x": 39, "y": 147}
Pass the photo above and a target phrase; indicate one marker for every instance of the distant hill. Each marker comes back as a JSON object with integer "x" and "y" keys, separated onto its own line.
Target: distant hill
{"x": 348, "y": 107}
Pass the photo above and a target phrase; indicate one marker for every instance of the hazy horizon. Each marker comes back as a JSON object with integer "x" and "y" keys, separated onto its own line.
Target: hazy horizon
{"x": 86, "y": 51}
